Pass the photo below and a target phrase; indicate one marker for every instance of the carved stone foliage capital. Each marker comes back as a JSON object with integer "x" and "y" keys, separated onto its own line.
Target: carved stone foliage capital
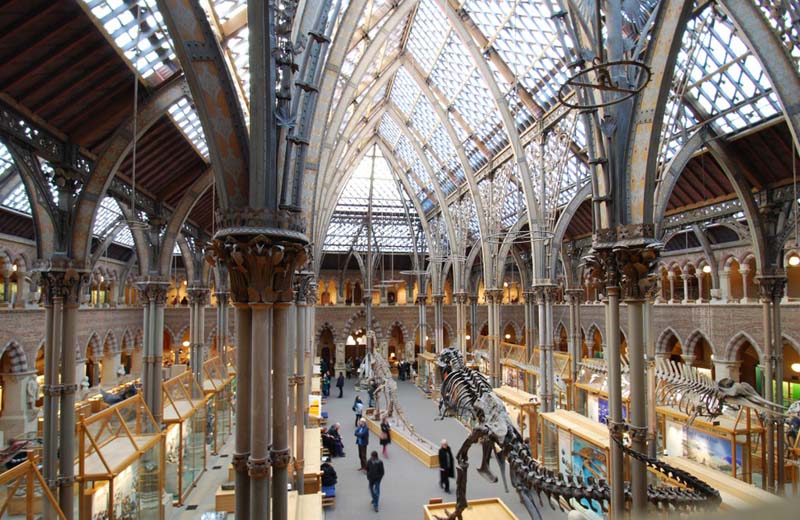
{"x": 198, "y": 295}
{"x": 770, "y": 287}
{"x": 153, "y": 289}
{"x": 636, "y": 265}
{"x": 261, "y": 269}
{"x": 305, "y": 288}
{"x": 67, "y": 284}
{"x": 493, "y": 295}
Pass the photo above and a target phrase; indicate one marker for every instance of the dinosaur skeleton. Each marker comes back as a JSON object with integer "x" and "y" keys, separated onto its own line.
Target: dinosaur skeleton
{"x": 693, "y": 392}
{"x": 470, "y": 395}
{"x": 375, "y": 367}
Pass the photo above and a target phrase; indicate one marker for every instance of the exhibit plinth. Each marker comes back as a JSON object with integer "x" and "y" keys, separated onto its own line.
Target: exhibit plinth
{"x": 736, "y": 495}
{"x": 428, "y": 455}
{"x": 481, "y": 509}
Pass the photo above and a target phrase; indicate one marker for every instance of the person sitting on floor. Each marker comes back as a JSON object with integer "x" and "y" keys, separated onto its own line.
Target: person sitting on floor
{"x": 329, "y": 479}
{"x": 332, "y": 440}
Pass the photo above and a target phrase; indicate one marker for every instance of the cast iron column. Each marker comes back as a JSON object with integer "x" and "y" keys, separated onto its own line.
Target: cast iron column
{"x": 154, "y": 294}
{"x": 575, "y": 296}
{"x": 241, "y": 453}
{"x": 222, "y": 325}
{"x": 423, "y": 327}
{"x": 198, "y": 299}
{"x": 438, "y": 322}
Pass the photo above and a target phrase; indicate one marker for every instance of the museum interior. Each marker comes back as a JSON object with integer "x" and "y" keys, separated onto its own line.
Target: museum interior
{"x": 345, "y": 259}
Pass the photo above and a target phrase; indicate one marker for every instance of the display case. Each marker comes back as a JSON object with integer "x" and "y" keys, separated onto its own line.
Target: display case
{"x": 730, "y": 444}
{"x": 217, "y": 385}
{"x": 524, "y": 411}
{"x": 185, "y": 420}
{"x": 24, "y": 493}
{"x": 583, "y": 444}
{"x": 591, "y": 388}
{"x": 524, "y": 374}
{"x": 120, "y": 464}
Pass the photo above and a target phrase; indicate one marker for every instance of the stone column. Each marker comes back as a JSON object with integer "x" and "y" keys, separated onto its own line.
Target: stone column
{"x": 725, "y": 285}
{"x": 744, "y": 270}
{"x": 154, "y": 295}
{"x": 423, "y": 327}
{"x": 461, "y": 322}
{"x": 222, "y": 325}
{"x": 544, "y": 303}
{"x": 530, "y": 333}
{"x": 771, "y": 288}
{"x": 473, "y": 319}
{"x": 22, "y": 290}
{"x": 261, "y": 271}
{"x": 438, "y": 322}
{"x": 62, "y": 286}
{"x": 494, "y": 297}
{"x": 685, "y": 276}
{"x": 671, "y": 278}
{"x": 575, "y": 341}
{"x": 198, "y": 299}
{"x": 305, "y": 298}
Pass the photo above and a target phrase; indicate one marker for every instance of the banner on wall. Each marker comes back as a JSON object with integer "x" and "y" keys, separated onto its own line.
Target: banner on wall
{"x": 315, "y": 406}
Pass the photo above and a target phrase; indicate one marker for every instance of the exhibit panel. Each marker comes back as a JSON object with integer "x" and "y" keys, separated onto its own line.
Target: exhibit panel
{"x": 426, "y": 363}
{"x": 217, "y": 385}
{"x": 185, "y": 419}
{"x": 523, "y": 408}
{"x": 592, "y": 391}
{"x": 730, "y": 444}
{"x": 583, "y": 444}
{"x": 120, "y": 464}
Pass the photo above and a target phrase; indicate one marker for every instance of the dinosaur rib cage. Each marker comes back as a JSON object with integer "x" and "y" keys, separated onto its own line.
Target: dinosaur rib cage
{"x": 462, "y": 388}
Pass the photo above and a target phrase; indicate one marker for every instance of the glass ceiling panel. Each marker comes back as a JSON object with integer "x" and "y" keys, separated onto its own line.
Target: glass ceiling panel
{"x": 156, "y": 60}
{"x": 725, "y": 81}
{"x": 452, "y": 68}
{"x": 238, "y": 46}
{"x": 404, "y": 91}
{"x": 225, "y": 8}
{"x": 389, "y": 131}
{"x": 389, "y": 202}
{"x": 428, "y": 35}
{"x": 424, "y": 118}
{"x": 185, "y": 116}
{"x": 17, "y": 198}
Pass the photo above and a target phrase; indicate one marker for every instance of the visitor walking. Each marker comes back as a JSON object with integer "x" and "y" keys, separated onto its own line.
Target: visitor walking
{"x": 386, "y": 435}
{"x": 358, "y": 408}
{"x": 446, "y": 466}
{"x": 362, "y": 440}
{"x": 340, "y": 383}
{"x": 374, "y": 476}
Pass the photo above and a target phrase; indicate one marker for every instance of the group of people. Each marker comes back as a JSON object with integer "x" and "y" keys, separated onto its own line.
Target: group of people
{"x": 405, "y": 370}
{"x": 325, "y": 384}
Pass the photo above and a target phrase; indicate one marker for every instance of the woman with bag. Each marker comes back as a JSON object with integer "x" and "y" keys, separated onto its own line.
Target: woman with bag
{"x": 386, "y": 436}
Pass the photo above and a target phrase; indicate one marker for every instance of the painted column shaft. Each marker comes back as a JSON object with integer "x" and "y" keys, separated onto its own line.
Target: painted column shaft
{"x": 616, "y": 473}
{"x": 638, "y": 418}
{"x": 51, "y": 396}
{"x": 767, "y": 378}
{"x": 260, "y": 408}
{"x": 280, "y": 452}
{"x": 243, "y": 399}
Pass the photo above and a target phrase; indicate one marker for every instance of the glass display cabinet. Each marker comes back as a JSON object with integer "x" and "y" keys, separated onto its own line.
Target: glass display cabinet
{"x": 120, "y": 464}
{"x": 591, "y": 390}
{"x": 217, "y": 385}
{"x": 185, "y": 420}
{"x": 523, "y": 408}
{"x": 24, "y": 493}
{"x": 731, "y": 443}
{"x": 426, "y": 367}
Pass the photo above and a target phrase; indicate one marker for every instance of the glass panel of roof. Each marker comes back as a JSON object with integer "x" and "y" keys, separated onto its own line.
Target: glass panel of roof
{"x": 452, "y": 68}
{"x": 155, "y": 59}
{"x": 389, "y": 131}
{"x": 424, "y": 119}
{"x": 783, "y": 17}
{"x": 185, "y": 116}
{"x": 238, "y": 46}
{"x": 224, "y": 9}
{"x": 107, "y": 214}
{"x": 725, "y": 81}
{"x": 6, "y": 161}
{"x": 17, "y": 198}
{"x": 474, "y": 101}
{"x": 428, "y": 34}
{"x": 404, "y": 91}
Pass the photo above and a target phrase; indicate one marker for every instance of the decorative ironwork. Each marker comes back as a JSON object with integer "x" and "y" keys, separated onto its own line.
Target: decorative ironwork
{"x": 616, "y": 82}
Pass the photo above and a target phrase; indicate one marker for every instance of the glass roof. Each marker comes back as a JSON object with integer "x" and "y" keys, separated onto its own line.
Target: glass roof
{"x": 155, "y": 59}
{"x": 390, "y": 224}
{"x": 184, "y": 114}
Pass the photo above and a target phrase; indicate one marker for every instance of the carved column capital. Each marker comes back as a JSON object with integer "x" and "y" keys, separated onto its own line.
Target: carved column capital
{"x": 629, "y": 268}
{"x": 438, "y": 298}
{"x": 223, "y": 297}
{"x": 421, "y": 299}
{"x": 153, "y": 289}
{"x": 280, "y": 458}
{"x": 460, "y": 298}
{"x": 305, "y": 288}
{"x": 493, "y": 295}
{"x": 258, "y": 468}
{"x": 770, "y": 287}
{"x": 261, "y": 268}
{"x": 63, "y": 281}
{"x": 198, "y": 294}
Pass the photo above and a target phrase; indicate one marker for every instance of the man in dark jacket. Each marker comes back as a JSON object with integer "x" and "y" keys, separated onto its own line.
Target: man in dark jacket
{"x": 340, "y": 383}
{"x": 362, "y": 440}
{"x": 446, "y": 466}
{"x": 374, "y": 476}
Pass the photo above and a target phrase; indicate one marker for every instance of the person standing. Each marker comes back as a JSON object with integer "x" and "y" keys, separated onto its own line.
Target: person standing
{"x": 374, "y": 476}
{"x": 326, "y": 384}
{"x": 362, "y": 440}
{"x": 373, "y": 386}
{"x": 446, "y": 466}
{"x": 358, "y": 408}
{"x": 386, "y": 435}
{"x": 340, "y": 383}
